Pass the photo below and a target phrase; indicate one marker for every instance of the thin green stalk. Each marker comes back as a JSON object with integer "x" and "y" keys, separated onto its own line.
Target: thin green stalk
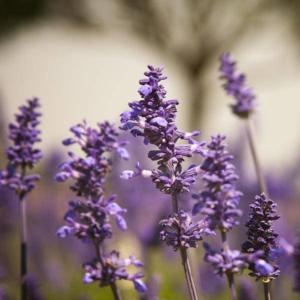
{"x": 184, "y": 258}
{"x": 229, "y": 274}
{"x": 260, "y": 177}
{"x": 267, "y": 293}
{"x": 254, "y": 153}
{"x": 23, "y": 248}
{"x": 113, "y": 286}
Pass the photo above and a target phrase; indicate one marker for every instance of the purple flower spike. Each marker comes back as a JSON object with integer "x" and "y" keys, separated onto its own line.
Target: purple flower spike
{"x": 89, "y": 217}
{"x": 261, "y": 235}
{"x": 235, "y": 85}
{"x": 219, "y": 198}
{"x": 153, "y": 118}
{"x": 233, "y": 261}
{"x": 111, "y": 270}
{"x": 180, "y": 231}
{"x": 22, "y": 155}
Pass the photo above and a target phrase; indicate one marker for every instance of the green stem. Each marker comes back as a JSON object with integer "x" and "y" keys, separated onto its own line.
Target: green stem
{"x": 184, "y": 258}
{"x": 261, "y": 180}
{"x": 229, "y": 274}
{"x": 23, "y": 248}
{"x": 267, "y": 293}
{"x": 113, "y": 285}
{"x": 254, "y": 153}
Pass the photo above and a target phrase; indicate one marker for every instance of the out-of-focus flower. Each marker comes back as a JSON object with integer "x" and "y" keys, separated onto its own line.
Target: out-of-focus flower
{"x": 89, "y": 172}
{"x": 260, "y": 233}
{"x": 235, "y": 85}
{"x": 219, "y": 199}
{"x": 112, "y": 269}
{"x": 22, "y": 155}
{"x": 233, "y": 261}
{"x": 89, "y": 219}
{"x": 180, "y": 231}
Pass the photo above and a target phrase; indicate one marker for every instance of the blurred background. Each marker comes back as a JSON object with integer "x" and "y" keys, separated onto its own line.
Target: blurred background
{"x": 83, "y": 59}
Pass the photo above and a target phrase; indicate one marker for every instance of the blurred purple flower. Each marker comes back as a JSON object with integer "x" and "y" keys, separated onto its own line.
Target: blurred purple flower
{"x": 89, "y": 218}
{"x": 22, "y": 155}
{"x": 233, "y": 261}
{"x": 113, "y": 269}
{"x": 235, "y": 85}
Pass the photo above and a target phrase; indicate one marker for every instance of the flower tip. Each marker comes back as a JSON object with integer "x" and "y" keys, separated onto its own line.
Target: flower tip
{"x": 87, "y": 278}
{"x": 63, "y": 231}
{"x": 121, "y": 223}
{"x": 263, "y": 268}
{"x": 140, "y": 286}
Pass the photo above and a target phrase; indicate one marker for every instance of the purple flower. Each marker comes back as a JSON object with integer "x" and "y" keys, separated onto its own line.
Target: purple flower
{"x": 112, "y": 269}
{"x": 89, "y": 172}
{"x": 180, "y": 231}
{"x": 154, "y": 119}
{"x": 235, "y": 85}
{"x": 89, "y": 218}
{"x": 260, "y": 233}
{"x": 233, "y": 261}
{"x": 219, "y": 198}
{"x": 22, "y": 155}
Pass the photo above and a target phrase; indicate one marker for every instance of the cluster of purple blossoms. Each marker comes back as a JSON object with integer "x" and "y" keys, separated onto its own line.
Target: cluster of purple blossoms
{"x": 89, "y": 172}
{"x": 235, "y": 85}
{"x": 89, "y": 219}
{"x": 180, "y": 231}
{"x": 261, "y": 235}
{"x": 111, "y": 269}
{"x": 219, "y": 198}
{"x": 154, "y": 119}
{"x": 22, "y": 155}
{"x": 234, "y": 261}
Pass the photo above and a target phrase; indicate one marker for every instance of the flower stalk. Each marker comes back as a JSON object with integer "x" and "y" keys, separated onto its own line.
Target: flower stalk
{"x": 23, "y": 156}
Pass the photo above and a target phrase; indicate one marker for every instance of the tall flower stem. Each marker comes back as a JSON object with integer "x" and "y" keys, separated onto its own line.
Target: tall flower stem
{"x": 23, "y": 249}
{"x": 267, "y": 291}
{"x": 184, "y": 258}
{"x": 23, "y": 260}
{"x": 254, "y": 153}
{"x": 229, "y": 274}
{"x": 113, "y": 286}
{"x": 261, "y": 180}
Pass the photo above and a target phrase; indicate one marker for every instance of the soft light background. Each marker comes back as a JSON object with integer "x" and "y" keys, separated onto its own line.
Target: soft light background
{"x": 92, "y": 71}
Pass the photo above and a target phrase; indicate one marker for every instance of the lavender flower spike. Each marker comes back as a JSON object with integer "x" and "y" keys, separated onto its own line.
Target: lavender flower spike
{"x": 112, "y": 269}
{"x": 261, "y": 235}
{"x": 154, "y": 118}
{"x": 22, "y": 155}
{"x": 89, "y": 217}
{"x": 235, "y": 85}
{"x": 219, "y": 198}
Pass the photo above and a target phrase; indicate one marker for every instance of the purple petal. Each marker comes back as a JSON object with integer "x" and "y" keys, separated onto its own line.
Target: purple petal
{"x": 140, "y": 286}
